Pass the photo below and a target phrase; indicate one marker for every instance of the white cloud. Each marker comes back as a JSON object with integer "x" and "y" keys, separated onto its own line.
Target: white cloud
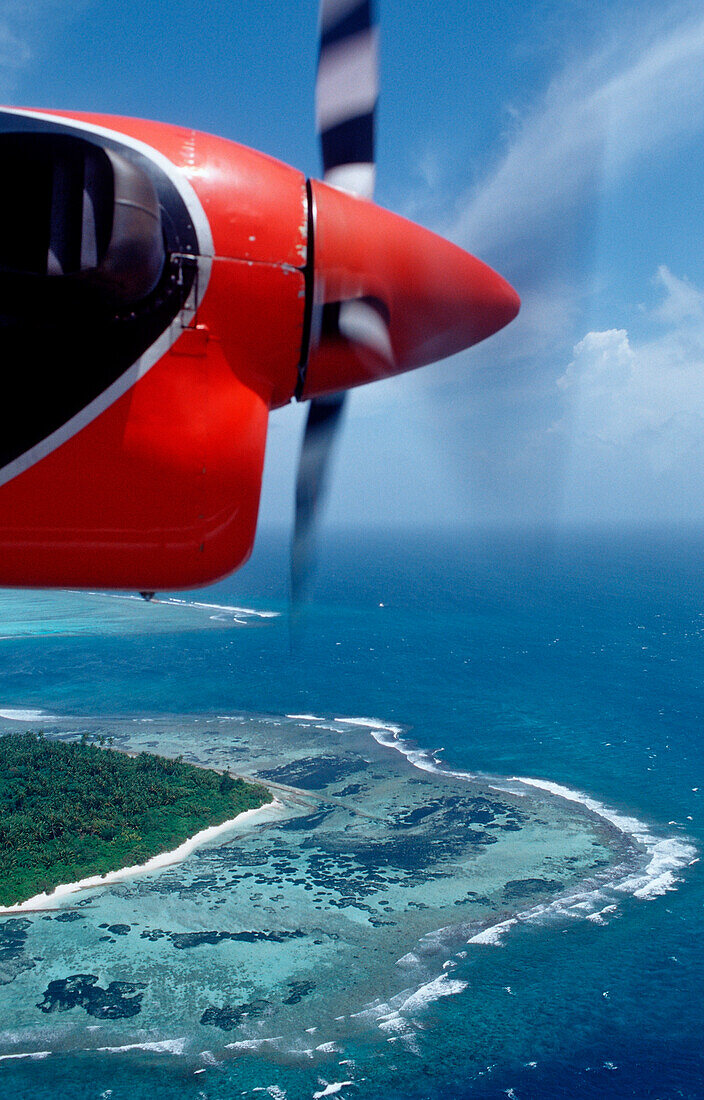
{"x": 620, "y": 389}
{"x": 14, "y": 55}
{"x": 635, "y": 422}
{"x": 26, "y": 31}
{"x": 683, "y": 302}
{"x": 595, "y": 121}
{"x": 600, "y": 380}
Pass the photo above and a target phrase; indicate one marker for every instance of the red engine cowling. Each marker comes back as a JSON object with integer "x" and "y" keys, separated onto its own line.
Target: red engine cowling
{"x": 159, "y": 290}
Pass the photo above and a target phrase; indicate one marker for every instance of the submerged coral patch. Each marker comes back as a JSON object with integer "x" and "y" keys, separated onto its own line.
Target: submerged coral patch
{"x": 118, "y": 1000}
{"x": 297, "y": 991}
{"x": 13, "y": 937}
{"x": 313, "y": 773}
{"x": 182, "y": 941}
{"x": 228, "y": 1017}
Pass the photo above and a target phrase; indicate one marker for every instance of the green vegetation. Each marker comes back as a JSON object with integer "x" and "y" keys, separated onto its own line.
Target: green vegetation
{"x": 70, "y": 809}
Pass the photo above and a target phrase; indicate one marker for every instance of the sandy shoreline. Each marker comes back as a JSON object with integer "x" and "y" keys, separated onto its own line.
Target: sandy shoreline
{"x": 156, "y": 863}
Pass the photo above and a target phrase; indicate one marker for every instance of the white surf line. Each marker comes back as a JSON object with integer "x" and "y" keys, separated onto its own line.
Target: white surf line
{"x": 245, "y": 1045}
{"x": 105, "y": 595}
{"x": 176, "y": 601}
{"x": 390, "y": 736}
{"x": 395, "y": 1017}
{"x": 432, "y": 990}
{"x": 331, "y": 1089}
{"x": 306, "y": 717}
{"x": 18, "y": 714}
{"x": 164, "y": 1046}
{"x": 220, "y": 607}
{"x": 156, "y": 863}
{"x": 666, "y": 855}
{"x": 35, "y": 1054}
{"x": 372, "y": 724}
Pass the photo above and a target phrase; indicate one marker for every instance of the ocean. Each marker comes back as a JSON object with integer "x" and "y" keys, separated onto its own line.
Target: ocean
{"x": 481, "y": 876}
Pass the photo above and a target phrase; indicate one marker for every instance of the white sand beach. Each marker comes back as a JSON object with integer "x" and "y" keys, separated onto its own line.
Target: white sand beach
{"x": 156, "y": 863}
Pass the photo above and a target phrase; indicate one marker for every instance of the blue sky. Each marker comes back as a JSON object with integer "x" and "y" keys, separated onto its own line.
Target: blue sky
{"x": 559, "y": 141}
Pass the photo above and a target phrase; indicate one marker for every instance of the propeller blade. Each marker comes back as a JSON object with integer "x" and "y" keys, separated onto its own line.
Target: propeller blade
{"x": 323, "y": 420}
{"x": 365, "y": 323}
{"x": 347, "y": 90}
{"x": 347, "y": 93}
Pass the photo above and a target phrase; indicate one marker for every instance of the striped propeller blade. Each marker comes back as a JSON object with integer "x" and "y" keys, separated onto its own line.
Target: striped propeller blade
{"x": 324, "y": 416}
{"x": 347, "y": 91}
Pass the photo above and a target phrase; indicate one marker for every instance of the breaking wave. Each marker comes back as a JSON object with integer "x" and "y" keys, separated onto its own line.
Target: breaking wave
{"x": 661, "y": 866}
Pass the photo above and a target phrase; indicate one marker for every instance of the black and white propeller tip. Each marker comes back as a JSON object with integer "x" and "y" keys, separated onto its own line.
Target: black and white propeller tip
{"x": 347, "y": 91}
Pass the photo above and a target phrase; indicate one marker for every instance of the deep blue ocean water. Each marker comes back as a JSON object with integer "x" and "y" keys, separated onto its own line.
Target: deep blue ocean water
{"x": 575, "y": 658}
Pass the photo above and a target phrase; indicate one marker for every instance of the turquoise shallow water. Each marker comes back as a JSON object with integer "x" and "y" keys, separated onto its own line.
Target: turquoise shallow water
{"x": 343, "y": 910}
{"x": 576, "y": 662}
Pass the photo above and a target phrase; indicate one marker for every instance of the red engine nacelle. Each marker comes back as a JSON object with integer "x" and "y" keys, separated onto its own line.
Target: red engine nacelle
{"x": 160, "y": 288}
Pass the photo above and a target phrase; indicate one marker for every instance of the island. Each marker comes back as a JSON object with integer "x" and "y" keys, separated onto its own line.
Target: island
{"x": 75, "y": 809}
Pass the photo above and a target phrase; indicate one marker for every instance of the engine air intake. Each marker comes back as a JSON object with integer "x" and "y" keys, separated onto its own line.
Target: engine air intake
{"x": 76, "y": 211}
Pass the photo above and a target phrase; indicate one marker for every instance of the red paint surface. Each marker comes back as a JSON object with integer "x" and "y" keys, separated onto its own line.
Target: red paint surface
{"x": 439, "y": 298}
{"x": 256, "y": 205}
{"x": 161, "y": 490}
